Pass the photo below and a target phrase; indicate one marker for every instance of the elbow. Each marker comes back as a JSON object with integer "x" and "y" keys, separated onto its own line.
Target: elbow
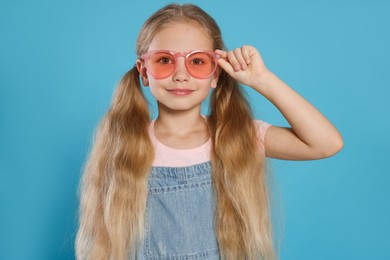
{"x": 334, "y": 148}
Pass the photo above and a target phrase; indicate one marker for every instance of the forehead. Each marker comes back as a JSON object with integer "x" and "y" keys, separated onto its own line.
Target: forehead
{"x": 181, "y": 36}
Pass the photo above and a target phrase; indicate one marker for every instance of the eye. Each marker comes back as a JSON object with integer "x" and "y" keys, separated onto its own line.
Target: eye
{"x": 165, "y": 60}
{"x": 197, "y": 61}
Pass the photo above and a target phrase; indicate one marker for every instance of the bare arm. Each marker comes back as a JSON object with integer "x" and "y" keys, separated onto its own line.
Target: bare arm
{"x": 311, "y": 135}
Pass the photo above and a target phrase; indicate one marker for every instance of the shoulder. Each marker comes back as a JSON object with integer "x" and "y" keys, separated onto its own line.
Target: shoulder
{"x": 261, "y": 127}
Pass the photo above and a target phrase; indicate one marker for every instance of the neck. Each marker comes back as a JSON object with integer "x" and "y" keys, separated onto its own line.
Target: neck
{"x": 180, "y": 122}
{"x": 181, "y": 129}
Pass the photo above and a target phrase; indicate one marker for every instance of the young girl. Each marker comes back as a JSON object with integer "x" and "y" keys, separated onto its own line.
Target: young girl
{"x": 188, "y": 186}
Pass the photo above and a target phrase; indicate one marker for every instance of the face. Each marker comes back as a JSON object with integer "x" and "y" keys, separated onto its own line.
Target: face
{"x": 179, "y": 91}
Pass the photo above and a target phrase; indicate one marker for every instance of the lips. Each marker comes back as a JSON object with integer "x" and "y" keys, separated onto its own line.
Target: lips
{"x": 180, "y": 91}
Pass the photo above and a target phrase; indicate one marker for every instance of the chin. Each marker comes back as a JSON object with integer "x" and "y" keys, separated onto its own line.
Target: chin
{"x": 185, "y": 106}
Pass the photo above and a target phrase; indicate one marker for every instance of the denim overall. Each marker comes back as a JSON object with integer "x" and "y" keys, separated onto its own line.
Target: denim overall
{"x": 179, "y": 214}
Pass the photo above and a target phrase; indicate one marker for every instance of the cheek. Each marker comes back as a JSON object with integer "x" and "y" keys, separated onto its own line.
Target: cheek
{"x": 157, "y": 86}
{"x": 208, "y": 83}
{"x": 154, "y": 83}
{"x": 205, "y": 88}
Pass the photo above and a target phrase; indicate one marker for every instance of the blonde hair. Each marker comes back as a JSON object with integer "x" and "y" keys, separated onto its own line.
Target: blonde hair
{"x": 114, "y": 184}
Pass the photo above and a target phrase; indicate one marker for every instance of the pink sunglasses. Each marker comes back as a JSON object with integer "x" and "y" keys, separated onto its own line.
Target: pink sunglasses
{"x": 162, "y": 63}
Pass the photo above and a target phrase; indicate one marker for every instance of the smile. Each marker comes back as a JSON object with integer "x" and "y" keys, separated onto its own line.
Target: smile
{"x": 180, "y": 91}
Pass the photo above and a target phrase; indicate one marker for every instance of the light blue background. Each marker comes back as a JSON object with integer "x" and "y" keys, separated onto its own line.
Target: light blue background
{"x": 59, "y": 64}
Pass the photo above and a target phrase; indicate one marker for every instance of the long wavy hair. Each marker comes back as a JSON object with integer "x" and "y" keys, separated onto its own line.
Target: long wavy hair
{"x": 114, "y": 184}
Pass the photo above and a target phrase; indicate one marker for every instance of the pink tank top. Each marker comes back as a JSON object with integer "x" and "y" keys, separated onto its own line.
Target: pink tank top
{"x": 166, "y": 156}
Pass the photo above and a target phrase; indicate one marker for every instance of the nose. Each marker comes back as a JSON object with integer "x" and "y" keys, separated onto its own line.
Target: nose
{"x": 181, "y": 73}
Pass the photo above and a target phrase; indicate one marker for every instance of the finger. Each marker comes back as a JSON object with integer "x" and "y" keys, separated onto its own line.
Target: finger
{"x": 246, "y": 53}
{"x": 224, "y": 62}
{"x": 238, "y": 53}
{"x": 226, "y": 66}
{"x": 233, "y": 61}
{"x": 221, "y": 53}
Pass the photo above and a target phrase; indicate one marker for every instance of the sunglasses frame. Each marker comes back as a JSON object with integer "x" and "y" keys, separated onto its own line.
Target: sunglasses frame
{"x": 185, "y": 55}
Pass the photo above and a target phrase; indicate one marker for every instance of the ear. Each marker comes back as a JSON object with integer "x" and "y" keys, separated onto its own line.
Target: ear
{"x": 142, "y": 71}
{"x": 214, "y": 82}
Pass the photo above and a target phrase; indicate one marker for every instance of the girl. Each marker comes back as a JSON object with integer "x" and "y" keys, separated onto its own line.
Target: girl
{"x": 187, "y": 186}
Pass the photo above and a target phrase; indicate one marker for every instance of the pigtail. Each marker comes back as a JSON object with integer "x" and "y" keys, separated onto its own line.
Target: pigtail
{"x": 114, "y": 184}
{"x": 242, "y": 215}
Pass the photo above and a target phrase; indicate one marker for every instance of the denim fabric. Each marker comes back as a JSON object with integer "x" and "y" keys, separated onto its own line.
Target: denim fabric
{"x": 179, "y": 214}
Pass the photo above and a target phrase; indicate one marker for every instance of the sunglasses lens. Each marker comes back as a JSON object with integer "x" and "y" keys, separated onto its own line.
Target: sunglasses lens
{"x": 160, "y": 64}
{"x": 201, "y": 65}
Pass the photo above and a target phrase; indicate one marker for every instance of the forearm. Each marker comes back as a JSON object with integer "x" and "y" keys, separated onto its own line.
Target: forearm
{"x": 306, "y": 121}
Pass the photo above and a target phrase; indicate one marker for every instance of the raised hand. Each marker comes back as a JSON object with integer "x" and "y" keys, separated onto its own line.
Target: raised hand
{"x": 243, "y": 64}
{"x": 311, "y": 135}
